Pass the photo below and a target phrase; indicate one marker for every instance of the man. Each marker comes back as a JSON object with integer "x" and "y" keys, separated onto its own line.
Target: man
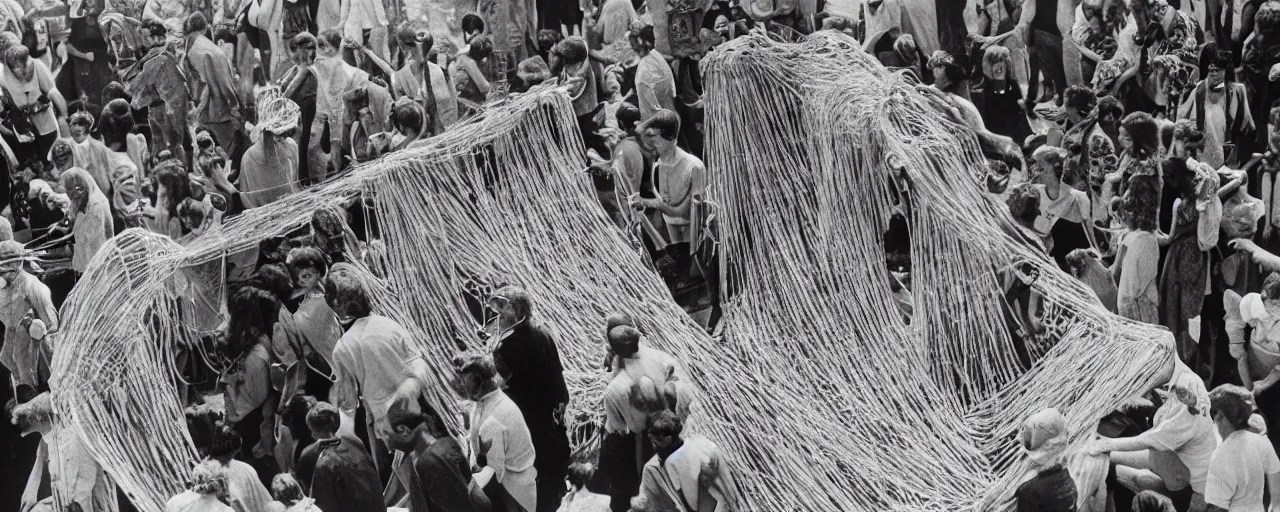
{"x": 655, "y": 85}
{"x": 436, "y": 95}
{"x": 77, "y": 480}
{"x": 158, "y": 83}
{"x": 27, "y": 311}
{"x": 439, "y": 475}
{"x": 1243, "y": 459}
{"x": 687, "y": 469}
{"x": 336, "y": 470}
{"x": 371, "y": 361}
{"x": 678, "y": 176}
{"x": 217, "y": 106}
{"x": 529, "y": 363}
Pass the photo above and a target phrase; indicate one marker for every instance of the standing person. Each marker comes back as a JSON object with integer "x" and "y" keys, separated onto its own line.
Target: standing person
{"x": 333, "y": 78}
{"x": 529, "y": 363}
{"x": 213, "y": 82}
{"x": 500, "y": 440}
{"x": 251, "y": 400}
{"x": 36, "y": 109}
{"x": 1184, "y": 280}
{"x": 29, "y": 317}
{"x": 570, "y": 56}
{"x": 371, "y": 360}
{"x": 1245, "y": 464}
{"x": 246, "y": 491}
{"x": 365, "y": 22}
{"x": 439, "y": 477}
{"x": 90, "y": 215}
{"x": 1065, "y": 212}
{"x": 268, "y": 167}
{"x": 311, "y": 318}
{"x": 1136, "y": 264}
{"x": 88, "y": 65}
{"x": 158, "y": 85}
{"x": 299, "y": 84}
{"x": 1220, "y": 107}
{"x": 678, "y": 177}
{"x": 437, "y": 94}
{"x": 77, "y": 480}
{"x": 336, "y": 470}
{"x": 469, "y": 79}
{"x": 289, "y": 497}
{"x": 655, "y": 85}
{"x": 688, "y": 464}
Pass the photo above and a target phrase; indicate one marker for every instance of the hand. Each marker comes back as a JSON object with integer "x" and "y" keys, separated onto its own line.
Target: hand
{"x": 87, "y": 56}
{"x": 1244, "y": 245}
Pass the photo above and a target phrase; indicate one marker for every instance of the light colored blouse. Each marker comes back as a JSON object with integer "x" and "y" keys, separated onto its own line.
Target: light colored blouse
{"x": 498, "y": 432}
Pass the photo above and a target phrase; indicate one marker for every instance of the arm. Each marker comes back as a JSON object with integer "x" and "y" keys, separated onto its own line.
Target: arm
{"x": 1122, "y": 444}
{"x": 1118, "y": 266}
{"x": 496, "y": 457}
{"x": 382, "y": 64}
{"x": 299, "y": 76}
{"x": 472, "y": 70}
{"x": 1267, "y": 381}
{"x": 72, "y": 51}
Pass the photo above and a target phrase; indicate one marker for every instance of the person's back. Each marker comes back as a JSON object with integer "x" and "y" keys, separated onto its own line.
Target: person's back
{"x": 344, "y": 477}
{"x": 245, "y": 489}
{"x": 1238, "y": 472}
{"x": 1051, "y": 490}
{"x": 190, "y": 501}
{"x": 444, "y": 477}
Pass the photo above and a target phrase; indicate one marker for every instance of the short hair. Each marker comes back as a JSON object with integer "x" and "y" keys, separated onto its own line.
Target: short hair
{"x": 471, "y": 22}
{"x": 624, "y": 334}
{"x": 1080, "y": 98}
{"x": 520, "y": 299}
{"x": 1191, "y": 135}
{"x": 295, "y": 412}
{"x": 307, "y": 257}
{"x": 1054, "y": 156}
{"x": 478, "y": 365}
{"x": 344, "y": 287}
{"x": 428, "y": 418}
{"x": 202, "y": 419}
{"x": 1271, "y": 286}
{"x": 1233, "y": 403}
{"x": 195, "y": 24}
{"x": 155, "y": 28}
{"x": 666, "y": 122}
{"x": 628, "y": 116}
{"x": 1151, "y": 501}
{"x": 332, "y": 37}
{"x": 274, "y": 278}
{"x": 407, "y": 35}
{"x": 580, "y": 473}
{"x": 644, "y": 34}
{"x": 1144, "y": 132}
{"x": 285, "y": 489}
{"x": 62, "y": 154}
{"x": 302, "y": 38}
{"x": 224, "y": 34}
{"x": 1110, "y": 106}
{"x": 226, "y": 441}
{"x": 408, "y": 115}
{"x": 481, "y": 48}
{"x": 664, "y": 422}
{"x": 323, "y": 419}
{"x": 572, "y": 50}
{"x": 617, "y": 318}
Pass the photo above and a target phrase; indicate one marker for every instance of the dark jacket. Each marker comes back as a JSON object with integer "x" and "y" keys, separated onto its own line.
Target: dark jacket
{"x": 339, "y": 474}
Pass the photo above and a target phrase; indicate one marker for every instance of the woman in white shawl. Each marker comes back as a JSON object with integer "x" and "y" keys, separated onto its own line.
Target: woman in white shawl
{"x": 90, "y": 215}
{"x": 1176, "y": 451}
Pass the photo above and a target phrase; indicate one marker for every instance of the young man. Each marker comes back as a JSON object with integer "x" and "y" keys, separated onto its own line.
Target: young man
{"x": 1245, "y": 464}
{"x": 29, "y": 316}
{"x": 439, "y": 476}
{"x": 689, "y": 465}
{"x": 655, "y": 85}
{"x": 371, "y": 360}
{"x": 678, "y": 176}
{"x": 214, "y": 84}
{"x": 336, "y": 470}
{"x": 158, "y": 84}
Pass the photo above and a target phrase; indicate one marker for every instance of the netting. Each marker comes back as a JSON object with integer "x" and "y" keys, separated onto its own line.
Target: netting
{"x": 500, "y": 200}
{"x": 833, "y": 398}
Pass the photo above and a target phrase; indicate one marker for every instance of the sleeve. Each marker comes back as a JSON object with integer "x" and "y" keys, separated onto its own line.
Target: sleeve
{"x": 1234, "y": 323}
{"x": 345, "y": 393}
{"x": 1169, "y": 435}
{"x": 1219, "y": 487}
{"x": 493, "y": 439}
{"x": 42, "y": 304}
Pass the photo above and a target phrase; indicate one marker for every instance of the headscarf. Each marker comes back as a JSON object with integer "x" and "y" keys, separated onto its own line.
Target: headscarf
{"x": 1044, "y": 436}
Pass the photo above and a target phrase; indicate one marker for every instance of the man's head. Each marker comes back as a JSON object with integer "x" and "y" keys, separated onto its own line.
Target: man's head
{"x": 512, "y": 304}
{"x": 407, "y": 428}
{"x": 474, "y": 375}
{"x": 624, "y": 340}
{"x": 641, "y": 38}
{"x": 33, "y": 417}
{"x": 323, "y": 420}
{"x": 1079, "y": 102}
{"x": 195, "y": 25}
{"x": 472, "y": 25}
{"x": 62, "y": 155}
{"x": 346, "y": 294}
{"x": 664, "y": 428}
{"x": 226, "y": 442}
{"x": 407, "y": 117}
{"x": 303, "y": 47}
{"x": 1110, "y": 110}
{"x": 154, "y": 32}
{"x": 308, "y": 265}
{"x": 1188, "y": 139}
{"x": 18, "y": 59}
{"x": 659, "y": 132}
{"x": 1050, "y": 162}
{"x": 1230, "y": 407}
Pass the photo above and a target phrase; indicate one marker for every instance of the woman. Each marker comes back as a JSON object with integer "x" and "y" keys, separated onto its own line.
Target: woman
{"x": 35, "y": 108}
{"x": 35, "y": 36}
{"x": 1137, "y": 259}
{"x": 1047, "y": 486}
{"x": 333, "y": 78}
{"x": 90, "y": 216}
{"x": 1001, "y": 97}
{"x": 253, "y": 315}
{"x": 469, "y": 80}
{"x": 407, "y": 121}
{"x": 1174, "y": 454}
{"x": 208, "y": 491}
{"x": 1184, "y": 279}
{"x": 499, "y": 438}
{"x": 1139, "y": 156}
{"x": 266, "y": 172}
{"x": 89, "y": 65}
{"x": 172, "y": 187}
{"x": 299, "y": 84}
{"x": 311, "y": 318}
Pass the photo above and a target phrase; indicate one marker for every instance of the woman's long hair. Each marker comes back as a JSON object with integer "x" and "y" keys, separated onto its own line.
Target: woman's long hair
{"x": 177, "y": 186}
{"x": 252, "y": 314}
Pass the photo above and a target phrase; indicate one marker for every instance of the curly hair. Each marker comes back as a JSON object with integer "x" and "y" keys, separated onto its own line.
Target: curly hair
{"x": 1080, "y": 98}
{"x": 1144, "y": 132}
{"x": 1271, "y": 286}
{"x": 995, "y": 55}
{"x": 1140, "y": 204}
{"x": 481, "y": 48}
{"x": 1024, "y": 203}
{"x": 477, "y": 366}
{"x": 346, "y": 293}
{"x": 1267, "y": 20}
{"x": 1189, "y": 134}
{"x": 209, "y": 478}
{"x": 1110, "y": 106}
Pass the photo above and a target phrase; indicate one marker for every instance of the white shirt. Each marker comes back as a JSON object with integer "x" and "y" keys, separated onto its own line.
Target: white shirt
{"x": 1238, "y": 472}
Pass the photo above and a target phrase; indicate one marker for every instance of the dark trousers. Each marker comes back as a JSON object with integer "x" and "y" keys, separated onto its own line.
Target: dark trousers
{"x": 1046, "y": 56}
